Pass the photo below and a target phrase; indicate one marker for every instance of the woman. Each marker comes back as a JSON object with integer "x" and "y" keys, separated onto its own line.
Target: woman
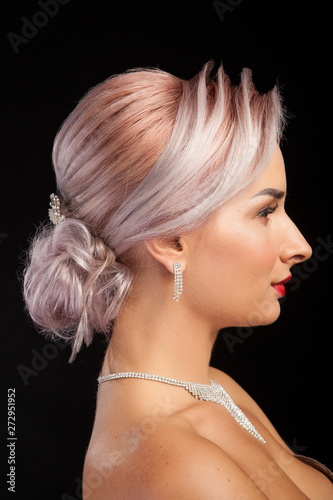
{"x": 170, "y": 226}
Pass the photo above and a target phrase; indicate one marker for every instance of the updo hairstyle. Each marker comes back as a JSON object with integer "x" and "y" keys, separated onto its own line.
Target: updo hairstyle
{"x": 144, "y": 154}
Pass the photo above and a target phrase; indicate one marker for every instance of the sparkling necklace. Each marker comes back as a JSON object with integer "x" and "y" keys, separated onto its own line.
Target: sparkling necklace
{"x": 204, "y": 392}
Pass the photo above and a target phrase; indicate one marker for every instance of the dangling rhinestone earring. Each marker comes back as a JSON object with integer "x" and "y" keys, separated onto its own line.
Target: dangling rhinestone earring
{"x": 178, "y": 280}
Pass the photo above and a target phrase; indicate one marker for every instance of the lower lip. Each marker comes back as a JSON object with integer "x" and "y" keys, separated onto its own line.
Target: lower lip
{"x": 280, "y": 289}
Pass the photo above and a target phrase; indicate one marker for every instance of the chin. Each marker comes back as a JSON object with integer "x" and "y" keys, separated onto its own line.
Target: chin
{"x": 264, "y": 312}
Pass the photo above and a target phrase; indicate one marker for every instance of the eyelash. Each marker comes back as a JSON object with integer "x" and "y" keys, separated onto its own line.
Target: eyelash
{"x": 267, "y": 211}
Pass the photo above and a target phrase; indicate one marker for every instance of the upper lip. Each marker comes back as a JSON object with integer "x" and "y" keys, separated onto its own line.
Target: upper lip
{"x": 282, "y": 282}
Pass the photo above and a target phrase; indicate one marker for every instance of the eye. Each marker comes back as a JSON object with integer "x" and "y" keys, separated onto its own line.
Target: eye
{"x": 264, "y": 213}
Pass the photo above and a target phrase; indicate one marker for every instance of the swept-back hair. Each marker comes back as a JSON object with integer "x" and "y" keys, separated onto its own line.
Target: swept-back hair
{"x": 143, "y": 154}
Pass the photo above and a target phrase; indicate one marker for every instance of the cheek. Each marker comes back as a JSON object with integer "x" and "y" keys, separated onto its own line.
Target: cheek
{"x": 247, "y": 265}
{"x": 234, "y": 278}
{"x": 248, "y": 257}
{"x": 228, "y": 279}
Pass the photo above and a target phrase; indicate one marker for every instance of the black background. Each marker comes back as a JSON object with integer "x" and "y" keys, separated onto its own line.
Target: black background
{"x": 286, "y": 367}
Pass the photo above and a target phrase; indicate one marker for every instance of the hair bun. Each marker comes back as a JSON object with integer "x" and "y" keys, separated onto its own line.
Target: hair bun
{"x": 73, "y": 284}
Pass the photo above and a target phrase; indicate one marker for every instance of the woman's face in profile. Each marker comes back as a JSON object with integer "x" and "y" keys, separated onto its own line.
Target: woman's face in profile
{"x": 242, "y": 251}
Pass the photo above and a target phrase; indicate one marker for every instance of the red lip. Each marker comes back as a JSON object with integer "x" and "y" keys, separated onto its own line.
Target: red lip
{"x": 279, "y": 287}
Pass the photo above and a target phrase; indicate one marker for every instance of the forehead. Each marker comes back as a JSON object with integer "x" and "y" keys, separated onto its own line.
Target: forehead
{"x": 273, "y": 176}
{"x": 272, "y": 181}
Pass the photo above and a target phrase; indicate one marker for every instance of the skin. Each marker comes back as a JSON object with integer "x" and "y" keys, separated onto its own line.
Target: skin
{"x": 155, "y": 441}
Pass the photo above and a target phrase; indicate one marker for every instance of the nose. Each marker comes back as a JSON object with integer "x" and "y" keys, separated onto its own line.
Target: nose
{"x": 295, "y": 248}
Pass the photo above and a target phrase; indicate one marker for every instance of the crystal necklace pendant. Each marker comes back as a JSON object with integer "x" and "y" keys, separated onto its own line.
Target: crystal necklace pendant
{"x": 213, "y": 392}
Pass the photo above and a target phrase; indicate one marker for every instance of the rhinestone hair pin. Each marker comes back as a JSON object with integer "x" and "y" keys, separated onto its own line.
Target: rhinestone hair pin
{"x": 55, "y": 214}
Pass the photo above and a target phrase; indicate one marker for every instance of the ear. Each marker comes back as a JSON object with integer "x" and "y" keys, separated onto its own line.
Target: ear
{"x": 167, "y": 251}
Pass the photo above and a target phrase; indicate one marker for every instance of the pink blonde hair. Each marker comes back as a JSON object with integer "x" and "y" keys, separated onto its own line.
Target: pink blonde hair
{"x": 143, "y": 154}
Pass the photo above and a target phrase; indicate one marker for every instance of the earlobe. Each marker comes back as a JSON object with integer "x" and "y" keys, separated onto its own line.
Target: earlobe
{"x": 167, "y": 251}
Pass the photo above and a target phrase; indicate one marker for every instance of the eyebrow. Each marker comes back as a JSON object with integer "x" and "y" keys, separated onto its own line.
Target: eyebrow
{"x": 275, "y": 193}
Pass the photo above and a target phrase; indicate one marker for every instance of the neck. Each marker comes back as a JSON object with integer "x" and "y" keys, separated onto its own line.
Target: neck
{"x": 161, "y": 338}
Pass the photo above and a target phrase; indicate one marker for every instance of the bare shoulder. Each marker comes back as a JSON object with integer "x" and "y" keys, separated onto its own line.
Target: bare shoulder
{"x": 245, "y": 402}
{"x": 186, "y": 465}
{"x": 175, "y": 463}
{"x": 179, "y": 456}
